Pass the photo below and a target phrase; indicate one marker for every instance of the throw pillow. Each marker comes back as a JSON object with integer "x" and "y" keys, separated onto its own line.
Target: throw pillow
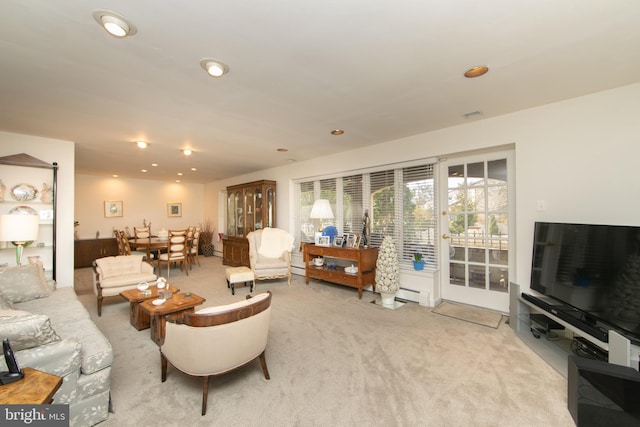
{"x": 5, "y": 303}
{"x": 24, "y": 282}
{"x": 26, "y": 330}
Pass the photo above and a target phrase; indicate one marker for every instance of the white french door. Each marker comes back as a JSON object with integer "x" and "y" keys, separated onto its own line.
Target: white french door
{"x": 476, "y": 229}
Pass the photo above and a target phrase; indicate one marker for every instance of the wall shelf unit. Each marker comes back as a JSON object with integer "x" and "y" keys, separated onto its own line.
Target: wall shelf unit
{"x": 29, "y": 186}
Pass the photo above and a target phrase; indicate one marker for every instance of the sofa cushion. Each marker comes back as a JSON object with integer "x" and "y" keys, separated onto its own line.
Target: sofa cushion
{"x": 26, "y": 330}
{"x": 62, "y": 306}
{"x": 24, "y": 282}
{"x": 120, "y": 265}
{"x": 5, "y": 303}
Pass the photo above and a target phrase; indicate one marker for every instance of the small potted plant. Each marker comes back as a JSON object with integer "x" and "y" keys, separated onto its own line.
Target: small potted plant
{"x": 418, "y": 261}
{"x": 206, "y": 238}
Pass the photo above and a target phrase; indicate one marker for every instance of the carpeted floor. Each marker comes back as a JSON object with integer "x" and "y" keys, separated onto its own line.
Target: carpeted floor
{"x": 468, "y": 313}
{"x": 335, "y": 360}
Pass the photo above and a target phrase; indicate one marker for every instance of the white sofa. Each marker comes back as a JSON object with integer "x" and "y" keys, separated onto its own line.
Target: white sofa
{"x": 115, "y": 274}
{"x": 50, "y": 330}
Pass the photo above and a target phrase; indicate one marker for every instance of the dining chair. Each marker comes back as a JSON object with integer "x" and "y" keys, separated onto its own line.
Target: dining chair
{"x": 194, "y": 246}
{"x": 176, "y": 251}
{"x": 141, "y": 232}
{"x": 122, "y": 250}
{"x": 127, "y": 248}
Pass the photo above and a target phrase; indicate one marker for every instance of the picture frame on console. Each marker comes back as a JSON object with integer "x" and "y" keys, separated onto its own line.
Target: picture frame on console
{"x": 324, "y": 241}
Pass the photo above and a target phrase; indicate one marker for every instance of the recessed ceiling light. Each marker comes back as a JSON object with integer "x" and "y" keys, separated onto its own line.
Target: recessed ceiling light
{"x": 115, "y": 176}
{"x": 179, "y": 173}
{"x": 154, "y": 165}
{"x": 194, "y": 169}
{"x": 213, "y": 67}
{"x": 187, "y": 152}
{"x": 476, "y": 71}
{"x": 115, "y": 24}
{"x": 142, "y": 144}
{"x": 282, "y": 150}
{"x": 337, "y": 132}
{"x": 143, "y": 170}
{"x": 177, "y": 180}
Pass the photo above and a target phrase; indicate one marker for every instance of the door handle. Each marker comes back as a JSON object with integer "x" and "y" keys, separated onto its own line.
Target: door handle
{"x": 445, "y": 236}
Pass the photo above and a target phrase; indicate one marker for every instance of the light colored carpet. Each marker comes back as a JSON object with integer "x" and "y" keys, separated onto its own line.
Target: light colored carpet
{"x": 335, "y": 360}
{"x": 468, "y": 313}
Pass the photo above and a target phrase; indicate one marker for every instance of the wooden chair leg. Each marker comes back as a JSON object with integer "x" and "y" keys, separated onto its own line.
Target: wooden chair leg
{"x": 163, "y": 366}
{"x": 100, "y": 305}
{"x": 263, "y": 362}
{"x": 205, "y": 392}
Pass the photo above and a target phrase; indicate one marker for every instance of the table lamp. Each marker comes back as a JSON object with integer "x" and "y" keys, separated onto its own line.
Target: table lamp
{"x": 20, "y": 230}
{"x": 321, "y": 210}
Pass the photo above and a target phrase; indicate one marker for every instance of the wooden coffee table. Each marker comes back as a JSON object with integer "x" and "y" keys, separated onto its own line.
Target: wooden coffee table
{"x": 174, "y": 307}
{"x": 138, "y": 318}
{"x": 35, "y": 388}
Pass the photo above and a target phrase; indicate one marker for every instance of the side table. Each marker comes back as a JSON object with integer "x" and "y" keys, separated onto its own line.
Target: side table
{"x": 138, "y": 318}
{"x": 35, "y": 388}
{"x": 180, "y": 303}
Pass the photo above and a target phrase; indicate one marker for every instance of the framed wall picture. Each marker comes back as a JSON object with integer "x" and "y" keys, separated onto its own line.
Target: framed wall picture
{"x": 112, "y": 208}
{"x": 174, "y": 209}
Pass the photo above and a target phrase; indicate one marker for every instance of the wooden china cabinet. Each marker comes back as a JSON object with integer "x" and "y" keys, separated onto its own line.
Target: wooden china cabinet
{"x": 250, "y": 206}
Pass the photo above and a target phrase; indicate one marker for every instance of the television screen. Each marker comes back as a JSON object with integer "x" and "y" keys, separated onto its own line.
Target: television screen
{"x": 594, "y": 268}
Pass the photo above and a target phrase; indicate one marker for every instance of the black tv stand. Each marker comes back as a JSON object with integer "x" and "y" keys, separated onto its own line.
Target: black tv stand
{"x": 570, "y": 315}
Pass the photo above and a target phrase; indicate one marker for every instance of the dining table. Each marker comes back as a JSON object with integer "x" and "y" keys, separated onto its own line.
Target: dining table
{"x": 148, "y": 244}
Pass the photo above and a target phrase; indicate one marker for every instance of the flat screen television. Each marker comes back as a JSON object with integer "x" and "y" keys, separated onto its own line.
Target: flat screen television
{"x": 593, "y": 268}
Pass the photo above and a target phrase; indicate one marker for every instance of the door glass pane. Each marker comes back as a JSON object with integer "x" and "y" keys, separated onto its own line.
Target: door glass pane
{"x": 497, "y": 171}
{"x": 239, "y": 215}
{"x": 476, "y": 254}
{"x": 475, "y": 174}
{"x": 231, "y": 215}
{"x": 475, "y": 200}
{"x": 499, "y": 279}
{"x": 477, "y": 276}
{"x": 457, "y": 274}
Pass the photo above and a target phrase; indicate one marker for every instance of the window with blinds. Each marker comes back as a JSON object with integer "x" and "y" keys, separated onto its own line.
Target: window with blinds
{"x": 400, "y": 203}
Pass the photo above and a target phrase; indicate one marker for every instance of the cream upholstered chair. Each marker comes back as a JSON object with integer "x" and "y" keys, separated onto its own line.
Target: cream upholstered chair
{"x": 115, "y": 274}
{"x": 141, "y": 232}
{"x": 177, "y": 247}
{"x": 194, "y": 247}
{"x": 216, "y": 340}
{"x": 270, "y": 253}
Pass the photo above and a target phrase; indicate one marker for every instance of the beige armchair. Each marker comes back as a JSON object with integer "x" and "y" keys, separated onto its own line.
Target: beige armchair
{"x": 270, "y": 253}
{"x": 115, "y": 274}
{"x": 216, "y": 340}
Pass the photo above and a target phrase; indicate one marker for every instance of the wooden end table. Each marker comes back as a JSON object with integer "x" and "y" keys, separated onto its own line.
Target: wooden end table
{"x": 36, "y": 388}
{"x": 138, "y": 318}
{"x": 174, "y": 307}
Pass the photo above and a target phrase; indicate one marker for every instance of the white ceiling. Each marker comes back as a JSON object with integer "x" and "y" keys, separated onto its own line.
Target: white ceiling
{"x": 380, "y": 70}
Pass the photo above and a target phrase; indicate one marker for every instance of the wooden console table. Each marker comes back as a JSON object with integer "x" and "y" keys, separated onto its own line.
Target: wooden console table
{"x": 363, "y": 258}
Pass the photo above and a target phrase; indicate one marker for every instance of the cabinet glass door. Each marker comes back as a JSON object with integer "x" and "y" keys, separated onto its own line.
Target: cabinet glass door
{"x": 231, "y": 215}
{"x": 239, "y": 215}
{"x": 258, "y": 207}
{"x": 270, "y": 216}
{"x": 251, "y": 213}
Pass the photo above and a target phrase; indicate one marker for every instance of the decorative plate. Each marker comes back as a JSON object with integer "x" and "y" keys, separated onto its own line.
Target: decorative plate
{"x": 24, "y": 192}
{"x": 158, "y": 301}
{"x": 23, "y": 210}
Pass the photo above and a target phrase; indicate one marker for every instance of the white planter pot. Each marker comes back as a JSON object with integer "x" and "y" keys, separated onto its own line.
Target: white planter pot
{"x": 388, "y": 299}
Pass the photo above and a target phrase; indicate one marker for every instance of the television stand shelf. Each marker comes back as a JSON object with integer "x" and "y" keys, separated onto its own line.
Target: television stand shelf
{"x": 621, "y": 351}
{"x": 364, "y": 258}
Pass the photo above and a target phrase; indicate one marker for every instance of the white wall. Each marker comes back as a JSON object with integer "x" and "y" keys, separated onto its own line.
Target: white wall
{"x": 142, "y": 200}
{"x": 579, "y": 156}
{"x": 50, "y": 151}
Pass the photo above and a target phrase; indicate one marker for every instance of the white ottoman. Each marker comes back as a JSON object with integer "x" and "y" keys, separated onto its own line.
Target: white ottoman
{"x": 239, "y": 275}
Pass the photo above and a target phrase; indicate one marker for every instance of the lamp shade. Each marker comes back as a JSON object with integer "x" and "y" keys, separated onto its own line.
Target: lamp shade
{"x": 19, "y": 228}
{"x": 321, "y": 210}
